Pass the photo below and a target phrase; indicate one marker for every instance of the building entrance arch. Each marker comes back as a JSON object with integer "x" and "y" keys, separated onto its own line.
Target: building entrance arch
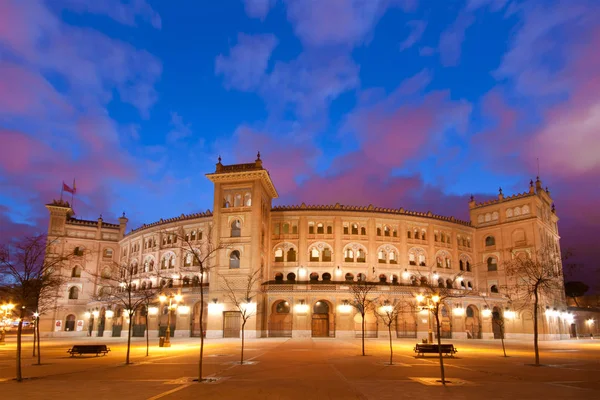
{"x": 445, "y": 322}
{"x": 280, "y": 319}
{"x": 473, "y": 322}
{"x": 322, "y": 319}
{"x": 370, "y": 325}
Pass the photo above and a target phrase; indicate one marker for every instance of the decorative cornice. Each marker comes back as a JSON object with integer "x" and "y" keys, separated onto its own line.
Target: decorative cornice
{"x": 504, "y": 199}
{"x": 250, "y": 174}
{"x": 182, "y": 217}
{"x": 370, "y": 208}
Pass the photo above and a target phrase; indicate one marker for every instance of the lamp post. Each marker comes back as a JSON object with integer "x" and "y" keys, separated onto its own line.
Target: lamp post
{"x": 430, "y": 303}
{"x": 6, "y": 309}
{"x": 173, "y": 300}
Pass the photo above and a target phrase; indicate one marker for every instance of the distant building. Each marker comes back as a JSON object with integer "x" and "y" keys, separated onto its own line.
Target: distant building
{"x": 308, "y": 256}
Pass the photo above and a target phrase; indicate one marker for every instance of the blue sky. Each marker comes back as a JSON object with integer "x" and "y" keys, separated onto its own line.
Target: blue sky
{"x": 398, "y": 103}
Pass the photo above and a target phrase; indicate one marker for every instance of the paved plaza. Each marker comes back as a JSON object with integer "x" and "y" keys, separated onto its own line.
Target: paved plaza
{"x": 304, "y": 369}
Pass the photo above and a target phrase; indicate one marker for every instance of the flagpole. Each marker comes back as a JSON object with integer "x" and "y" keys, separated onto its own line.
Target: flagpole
{"x": 62, "y": 188}
{"x": 72, "y": 193}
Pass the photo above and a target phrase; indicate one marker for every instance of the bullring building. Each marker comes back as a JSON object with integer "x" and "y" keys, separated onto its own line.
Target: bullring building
{"x": 307, "y": 258}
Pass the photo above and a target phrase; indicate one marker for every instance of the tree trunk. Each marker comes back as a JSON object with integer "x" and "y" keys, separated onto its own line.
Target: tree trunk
{"x": 129, "y": 338}
{"x": 391, "y": 349}
{"x": 201, "y": 325}
{"x": 439, "y": 340}
{"x": 39, "y": 351}
{"x": 363, "y": 334}
{"x": 34, "y": 341}
{"x": 502, "y": 337}
{"x": 19, "y": 334}
{"x": 535, "y": 327}
{"x": 243, "y": 327}
{"x": 147, "y": 334}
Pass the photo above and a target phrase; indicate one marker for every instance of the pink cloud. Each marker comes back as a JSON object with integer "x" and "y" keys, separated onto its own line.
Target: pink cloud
{"x": 452, "y": 39}
{"x": 126, "y": 13}
{"x": 258, "y": 8}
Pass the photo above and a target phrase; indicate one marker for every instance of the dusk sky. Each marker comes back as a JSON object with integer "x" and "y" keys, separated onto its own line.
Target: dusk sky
{"x": 395, "y": 103}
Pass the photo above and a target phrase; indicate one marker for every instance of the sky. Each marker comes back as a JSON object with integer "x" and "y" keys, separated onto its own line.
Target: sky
{"x": 395, "y": 103}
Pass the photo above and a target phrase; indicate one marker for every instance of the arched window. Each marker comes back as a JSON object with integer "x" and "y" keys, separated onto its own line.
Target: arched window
{"x": 236, "y": 228}
{"x": 314, "y": 254}
{"x": 492, "y": 264}
{"x": 291, "y": 255}
{"x": 237, "y": 200}
{"x": 449, "y": 283}
{"x": 291, "y": 277}
{"x": 195, "y": 281}
{"x": 422, "y": 260}
{"x": 320, "y": 228}
{"x": 279, "y": 277}
{"x": 361, "y": 257}
{"x": 363, "y": 230}
{"x": 448, "y": 263}
{"x": 134, "y": 268}
{"x": 247, "y": 200}
{"x": 490, "y": 241}
{"x": 468, "y": 266}
{"x": 106, "y": 273}
{"x": 285, "y": 228}
{"x": 150, "y": 285}
{"x": 283, "y": 307}
{"x": 311, "y": 228}
{"x": 461, "y": 265}
{"x": 329, "y": 229}
{"x": 361, "y": 277}
{"x": 70, "y": 323}
{"x": 314, "y": 276}
{"x": 441, "y": 282}
{"x": 393, "y": 258}
{"x": 408, "y": 234}
{"x": 438, "y": 262}
{"x": 234, "y": 259}
{"x": 326, "y": 276}
{"x": 382, "y": 278}
{"x": 494, "y": 289}
{"x": 73, "y": 293}
{"x": 279, "y": 255}
{"x": 186, "y": 281}
{"x": 108, "y": 253}
{"x": 76, "y": 272}
{"x": 417, "y": 234}
{"x": 386, "y": 231}
{"x": 348, "y": 255}
{"x": 412, "y": 260}
{"x": 382, "y": 257}
{"x": 469, "y": 286}
{"x": 355, "y": 229}
{"x": 349, "y": 277}
{"x": 378, "y": 231}
{"x": 144, "y": 285}
{"x": 326, "y": 255}
{"x": 170, "y": 284}
{"x": 423, "y": 235}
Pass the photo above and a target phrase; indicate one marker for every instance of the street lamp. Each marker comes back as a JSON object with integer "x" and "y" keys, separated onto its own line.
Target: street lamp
{"x": 430, "y": 303}
{"x": 6, "y": 310}
{"x": 173, "y": 300}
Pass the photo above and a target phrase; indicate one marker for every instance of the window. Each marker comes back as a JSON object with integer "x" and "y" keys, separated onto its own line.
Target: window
{"x": 311, "y": 228}
{"x": 378, "y": 231}
{"x": 363, "y": 230}
{"x": 411, "y": 259}
{"x": 381, "y": 257}
{"x": 492, "y": 264}
{"x": 348, "y": 255}
{"x": 106, "y": 273}
{"x": 76, "y": 272}
{"x": 195, "y": 281}
{"x": 326, "y": 254}
{"x": 346, "y": 230}
{"x": 393, "y": 258}
{"x": 283, "y": 307}
{"x": 108, "y": 253}
{"x": 408, "y": 234}
{"x": 494, "y": 289}
{"x": 236, "y": 228}
{"x": 234, "y": 259}
{"x": 422, "y": 260}
{"x": 320, "y": 228}
{"x": 361, "y": 256}
{"x": 314, "y": 276}
{"x": 416, "y": 234}
{"x": 349, "y": 277}
{"x": 329, "y": 229}
{"x": 78, "y": 251}
{"x": 291, "y": 277}
{"x": 279, "y": 277}
{"x": 423, "y": 235}
{"x": 278, "y": 255}
{"x": 449, "y": 283}
{"x": 461, "y": 265}
{"x": 186, "y": 281}
{"x": 448, "y": 263}
{"x": 247, "y": 200}
{"x": 276, "y": 229}
{"x": 286, "y": 228}
{"x": 295, "y": 229}
{"x": 326, "y": 276}
{"x": 468, "y": 266}
{"x": 386, "y": 231}
{"x": 361, "y": 277}
{"x": 438, "y": 261}
{"x": 314, "y": 254}
{"x": 73, "y": 293}
{"x": 237, "y": 200}
{"x": 490, "y": 241}
{"x": 291, "y": 255}
{"x": 355, "y": 229}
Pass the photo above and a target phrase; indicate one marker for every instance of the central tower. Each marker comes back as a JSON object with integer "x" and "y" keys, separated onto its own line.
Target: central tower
{"x": 243, "y": 194}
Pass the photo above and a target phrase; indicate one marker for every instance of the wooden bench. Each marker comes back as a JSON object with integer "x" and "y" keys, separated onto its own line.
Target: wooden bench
{"x": 88, "y": 349}
{"x": 447, "y": 349}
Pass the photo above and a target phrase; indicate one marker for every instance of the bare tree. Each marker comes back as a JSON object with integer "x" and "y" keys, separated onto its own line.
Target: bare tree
{"x": 199, "y": 255}
{"x": 497, "y": 320}
{"x": 363, "y": 302}
{"x": 435, "y": 295}
{"x": 30, "y": 273}
{"x": 243, "y": 299}
{"x": 119, "y": 286}
{"x": 535, "y": 279}
{"x": 388, "y": 311}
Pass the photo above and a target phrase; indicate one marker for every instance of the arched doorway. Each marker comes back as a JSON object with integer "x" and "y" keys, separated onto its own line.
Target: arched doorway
{"x": 70, "y": 323}
{"x": 370, "y": 325}
{"x": 445, "y": 322}
{"x": 139, "y": 322}
{"x": 117, "y": 323}
{"x": 321, "y": 318}
{"x": 473, "y": 323}
{"x": 280, "y": 320}
{"x": 497, "y": 323}
{"x": 196, "y": 330}
{"x": 406, "y": 324}
{"x": 164, "y": 319}
{"x": 101, "y": 322}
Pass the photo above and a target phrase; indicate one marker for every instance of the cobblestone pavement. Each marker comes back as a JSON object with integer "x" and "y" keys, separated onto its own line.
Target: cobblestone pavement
{"x": 303, "y": 369}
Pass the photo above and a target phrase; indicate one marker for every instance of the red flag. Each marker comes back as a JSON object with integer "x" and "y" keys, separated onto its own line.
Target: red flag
{"x": 68, "y": 189}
